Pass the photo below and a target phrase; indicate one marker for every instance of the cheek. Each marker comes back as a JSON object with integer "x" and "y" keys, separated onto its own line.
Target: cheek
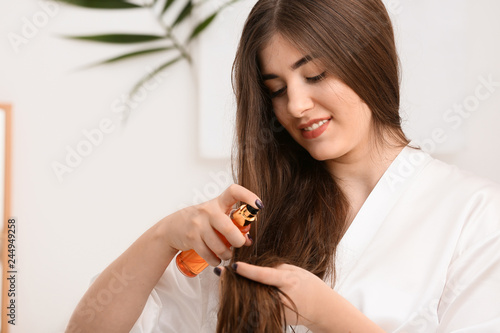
{"x": 364, "y": 114}
{"x": 361, "y": 122}
{"x": 280, "y": 115}
{"x": 283, "y": 119}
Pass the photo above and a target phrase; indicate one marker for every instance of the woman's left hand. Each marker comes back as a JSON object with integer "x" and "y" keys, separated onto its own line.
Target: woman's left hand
{"x": 319, "y": 307}
{"x": 303, "y": 288}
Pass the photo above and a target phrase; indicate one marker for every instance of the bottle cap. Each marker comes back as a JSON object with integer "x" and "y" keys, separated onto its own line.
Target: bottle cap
{"x": 252, "y": 210}
{"x": 244, "y": 215}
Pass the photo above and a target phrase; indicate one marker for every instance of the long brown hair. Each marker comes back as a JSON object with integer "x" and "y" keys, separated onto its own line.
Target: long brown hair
{"x": 305, "y": 210}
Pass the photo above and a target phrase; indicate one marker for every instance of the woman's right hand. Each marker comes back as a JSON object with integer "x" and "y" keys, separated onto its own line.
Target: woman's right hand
{"x": 189, "y": 228}
{"x": 193, "y": 227}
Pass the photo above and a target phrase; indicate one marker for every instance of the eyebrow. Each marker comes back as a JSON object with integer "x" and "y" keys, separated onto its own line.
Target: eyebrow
{"x": 297, "y": 64}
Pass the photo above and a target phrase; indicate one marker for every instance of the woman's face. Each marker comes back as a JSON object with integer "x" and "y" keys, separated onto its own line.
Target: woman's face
{"x": 320, "y": 112}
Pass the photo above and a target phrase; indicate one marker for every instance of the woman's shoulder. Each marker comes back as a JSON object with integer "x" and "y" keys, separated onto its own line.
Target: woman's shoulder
{"x": 459, "y": 199}
{"x": 448, "y": 191}
{"x": 474, "y": 198}
{"x": 464, "y": 180}
{"x": 448, "y": 179}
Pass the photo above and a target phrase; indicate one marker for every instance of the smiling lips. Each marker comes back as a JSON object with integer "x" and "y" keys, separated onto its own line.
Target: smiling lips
{"x": 312, "y": 131}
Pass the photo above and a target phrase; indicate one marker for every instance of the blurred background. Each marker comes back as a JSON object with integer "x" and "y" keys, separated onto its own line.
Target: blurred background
{"x": 86, "y": 183}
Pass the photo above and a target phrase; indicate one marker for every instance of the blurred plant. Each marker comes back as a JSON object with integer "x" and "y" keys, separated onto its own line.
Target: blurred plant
{"x": 161, "y": 10}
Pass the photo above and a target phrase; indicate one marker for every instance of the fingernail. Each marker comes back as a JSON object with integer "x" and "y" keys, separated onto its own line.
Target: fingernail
{"x": 250, "y": 237}
{"x": 259, "y": 204}
{"x": 217, "y": 271}
{"x": 234, "y": 266}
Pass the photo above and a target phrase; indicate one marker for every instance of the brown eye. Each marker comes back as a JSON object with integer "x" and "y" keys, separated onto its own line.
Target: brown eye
{"x": 277, "y": 93}
{"x": 316, "y": 78}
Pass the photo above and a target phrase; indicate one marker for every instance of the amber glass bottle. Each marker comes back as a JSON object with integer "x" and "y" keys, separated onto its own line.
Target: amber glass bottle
{"x": 191, "y": 264}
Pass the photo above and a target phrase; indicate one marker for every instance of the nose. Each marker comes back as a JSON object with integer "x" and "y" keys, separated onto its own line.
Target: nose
{"x": 299, "y": 100}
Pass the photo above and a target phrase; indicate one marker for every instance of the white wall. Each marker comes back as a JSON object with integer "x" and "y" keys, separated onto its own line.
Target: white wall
{"x": 448, "y": 50}
{"x": 71, "y": 230}
{"x": 481, "y": 150}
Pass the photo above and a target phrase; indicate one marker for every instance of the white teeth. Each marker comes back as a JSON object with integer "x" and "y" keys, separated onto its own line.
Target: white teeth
{"x": 315, "y": 125}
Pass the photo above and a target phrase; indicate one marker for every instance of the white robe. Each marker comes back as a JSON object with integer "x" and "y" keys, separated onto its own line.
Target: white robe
{"x": 422, "y": 255}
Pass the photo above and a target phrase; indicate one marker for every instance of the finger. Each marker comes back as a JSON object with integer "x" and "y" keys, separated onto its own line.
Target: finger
{"x": 249, "y": 240}
{"x": 207, "y": 255}
{"x": 235, "y": 193}
{"x": 223, "y": 224}
{"x": 216, "y": 245}
{"x": 266, "y": 275}
{"x": 219, "y": 270}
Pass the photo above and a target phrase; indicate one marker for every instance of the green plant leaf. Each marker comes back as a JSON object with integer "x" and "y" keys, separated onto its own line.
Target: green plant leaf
{"x": 118, "y": 38}
{"x": 102, "y": 4}
{"x": 151, "y": 74}
{"x": 184, "y": 13}
{"x": 134, "y": 54}
{"x": 167, "y": 4}
{"x": 202, "y": 26}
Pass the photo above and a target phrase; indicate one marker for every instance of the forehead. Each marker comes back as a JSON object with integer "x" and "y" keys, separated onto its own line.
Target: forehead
{"x": 281, "y": 55}
{"x": 278, "y": 51}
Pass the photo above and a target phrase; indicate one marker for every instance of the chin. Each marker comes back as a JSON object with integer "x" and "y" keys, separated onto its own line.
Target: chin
{"x": 327, "y": 151}
{"x": 322, "y": 155}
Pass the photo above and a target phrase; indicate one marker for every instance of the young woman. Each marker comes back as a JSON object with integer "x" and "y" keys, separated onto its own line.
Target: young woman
{"x": 360, "y": 232}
